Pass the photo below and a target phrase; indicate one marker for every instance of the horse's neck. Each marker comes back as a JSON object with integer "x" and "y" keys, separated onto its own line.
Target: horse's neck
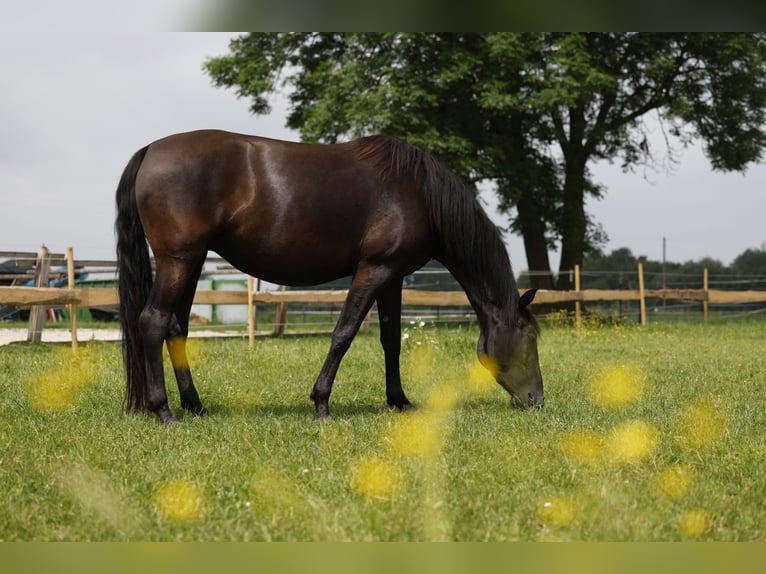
{"x": 485, "y": 295}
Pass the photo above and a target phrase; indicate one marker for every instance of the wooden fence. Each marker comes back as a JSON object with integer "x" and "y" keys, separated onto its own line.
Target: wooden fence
{"x": 39, "y": 297}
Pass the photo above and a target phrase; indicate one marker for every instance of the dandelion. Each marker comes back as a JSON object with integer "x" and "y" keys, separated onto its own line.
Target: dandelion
{"x": 442, "y": 398}
{"x": 702, "y": 425}
{"x": 416, "y": 434}
{"x": 617, "y": 386}
{"x": 481, "y": 375}
{"x": 374, "y": 478}
{"x": 180, "y": 501}
{"x": 631, "y": 442}
{"x": 59, "y": 389}
{"x": 420, "y": 363}
{"x": 694, "y": 523}
{"x": 672, "y": 482}
{"x": 582, "y": 446}
{"x": 556, "y": 511}
{"x": 183, "y": 352}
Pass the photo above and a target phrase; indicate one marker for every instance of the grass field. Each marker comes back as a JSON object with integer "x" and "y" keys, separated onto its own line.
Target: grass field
{"x": 647, "y": 434}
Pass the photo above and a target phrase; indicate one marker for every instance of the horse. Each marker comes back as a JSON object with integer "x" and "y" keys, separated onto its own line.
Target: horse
{"x": 374, "y": 208}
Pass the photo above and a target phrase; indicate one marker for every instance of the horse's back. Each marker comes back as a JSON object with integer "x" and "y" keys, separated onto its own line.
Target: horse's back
{"x": 288, "y": 212}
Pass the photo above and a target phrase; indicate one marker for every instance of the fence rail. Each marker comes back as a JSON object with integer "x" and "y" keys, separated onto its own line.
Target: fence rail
{"x": 40, "y": 297}
{"x": 105, "y": 297}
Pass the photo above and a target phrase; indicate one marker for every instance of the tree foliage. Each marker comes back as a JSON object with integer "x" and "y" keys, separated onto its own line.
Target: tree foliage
{"x": 529, "y": 112}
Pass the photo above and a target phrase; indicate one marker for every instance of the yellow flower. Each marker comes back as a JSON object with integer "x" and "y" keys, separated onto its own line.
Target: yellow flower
{"x": 417, "y": 434}
{"x": 617, "y": 385}
{"x": 631, "y": 442}
{"x": 701, "y": 425}
{"x": 59, "y": 389}
{"x": 556, "y": 511}
{"x": 694, "y": 523}
{"x": 374, "y": 478}
{"x": 442, "y": 398}
{"x": 672, "y": 482}
{"x": 180, "y": 501}
{"x": 582, "y": 446}
{"x": 420, "y": 363}
{"x": 481, "y": 375}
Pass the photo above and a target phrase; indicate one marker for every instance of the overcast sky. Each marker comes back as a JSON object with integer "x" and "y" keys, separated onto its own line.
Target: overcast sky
{"x": 75, "y": 106}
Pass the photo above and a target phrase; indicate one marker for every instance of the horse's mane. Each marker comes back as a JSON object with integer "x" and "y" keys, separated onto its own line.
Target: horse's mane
{"x": 465, "y": 233}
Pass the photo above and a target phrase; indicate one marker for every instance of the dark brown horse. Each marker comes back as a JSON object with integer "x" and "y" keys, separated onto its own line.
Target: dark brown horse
{"x": 374, "y": 208}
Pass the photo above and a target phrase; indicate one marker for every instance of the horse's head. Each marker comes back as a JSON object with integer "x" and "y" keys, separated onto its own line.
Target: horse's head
{"x": 511, "y": 356}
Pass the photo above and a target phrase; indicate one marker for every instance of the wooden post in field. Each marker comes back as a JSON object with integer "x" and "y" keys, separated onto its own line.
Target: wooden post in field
{"x": 641, "y": 293}
{"x": 38, "y": 313}
{"x": 578, "y": 307}
{"x": 281, "y": 315}
{"x": 253, "y": 285}
{"x": 72, "y": 306}
{"x": 250, "y": 314}
{"x": 705, "y": 288}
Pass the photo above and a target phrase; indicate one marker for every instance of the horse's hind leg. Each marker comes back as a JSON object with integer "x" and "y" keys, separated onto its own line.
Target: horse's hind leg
{"x": 390, "y": 315}
{"x": 176, "y": 342}
{"x": 155, "y": 322}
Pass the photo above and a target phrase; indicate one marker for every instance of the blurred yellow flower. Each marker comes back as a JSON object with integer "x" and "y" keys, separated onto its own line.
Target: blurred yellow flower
{"x": 179, "y": 501}
{"x": 556, "y": 511}
{"x": 442, "y": 398}
{"x": 701, "y": 425}
{"x": 672, "y": 482}
{"x": 617, "y": 385}
{"x": 630, "y": 442}
{"x": 59, "y": 388}
{"x": 420, "y": 363}
{"x": 374, "y": 478}
{"x": 582, "y": 446}
{"x": 481, "y": 375}
{"x": 694, "y": 523}
{"x": 417, "y": 434}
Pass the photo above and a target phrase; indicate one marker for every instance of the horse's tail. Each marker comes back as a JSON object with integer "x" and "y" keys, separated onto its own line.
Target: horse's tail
{"x": 135, "y": 281}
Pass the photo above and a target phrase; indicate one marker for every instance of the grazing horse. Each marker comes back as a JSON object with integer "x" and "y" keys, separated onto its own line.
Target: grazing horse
{"x": 374, "y": 208}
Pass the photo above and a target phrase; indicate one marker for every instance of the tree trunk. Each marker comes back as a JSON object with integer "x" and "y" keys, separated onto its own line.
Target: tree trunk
{"x": 574, "y": 222}
{"x": 535, "y": 246}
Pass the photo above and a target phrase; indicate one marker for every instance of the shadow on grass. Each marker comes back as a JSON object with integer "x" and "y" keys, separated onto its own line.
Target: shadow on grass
{"x": 340, "y": 410}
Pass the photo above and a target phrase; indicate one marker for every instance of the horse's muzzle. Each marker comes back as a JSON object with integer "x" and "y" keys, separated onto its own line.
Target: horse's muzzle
{"x": 533, "y": 401}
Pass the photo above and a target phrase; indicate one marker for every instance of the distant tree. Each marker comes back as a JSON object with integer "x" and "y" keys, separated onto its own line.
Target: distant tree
{"x": 750, "y": 262}
{"x": 528, "y": 111}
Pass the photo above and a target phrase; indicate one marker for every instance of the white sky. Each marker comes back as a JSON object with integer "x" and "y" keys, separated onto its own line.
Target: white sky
{"x": 75, "y": 105}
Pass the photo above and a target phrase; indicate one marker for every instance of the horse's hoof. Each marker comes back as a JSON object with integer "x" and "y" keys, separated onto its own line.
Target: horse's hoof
{"x": 166, "y": 417}
{"x": 322, "y": 413}
{"x": 197, "y": 409}
{"x": 405, "y": 406}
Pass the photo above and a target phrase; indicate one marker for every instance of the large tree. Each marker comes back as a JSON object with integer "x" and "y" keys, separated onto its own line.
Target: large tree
{"x": 529, "y": 112}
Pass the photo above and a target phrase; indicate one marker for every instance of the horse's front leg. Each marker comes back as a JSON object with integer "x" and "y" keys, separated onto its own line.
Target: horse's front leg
{"x": 390, "y": 315}
{"x": 364, "y": 288}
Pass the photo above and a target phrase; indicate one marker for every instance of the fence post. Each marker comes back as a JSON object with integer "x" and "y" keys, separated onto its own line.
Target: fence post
{"x": 38, "y": 313}
{"x": 72, "y": 306}
{"x": 578, "y": 307}
{"x": 281, "y": 315}
{"x": 250, "y": 314}
{"x": 705, "y": 288}
{"x": 641, "y": 293}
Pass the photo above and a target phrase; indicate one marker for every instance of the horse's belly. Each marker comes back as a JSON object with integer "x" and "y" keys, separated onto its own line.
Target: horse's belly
{"x": 306, "y": 265}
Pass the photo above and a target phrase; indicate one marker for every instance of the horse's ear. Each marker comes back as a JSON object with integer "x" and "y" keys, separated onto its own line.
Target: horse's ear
{"x": 527, "y": 298}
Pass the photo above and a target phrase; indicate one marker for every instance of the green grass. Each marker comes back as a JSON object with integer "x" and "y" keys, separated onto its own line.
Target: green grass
{"x": 465, "y": 467}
